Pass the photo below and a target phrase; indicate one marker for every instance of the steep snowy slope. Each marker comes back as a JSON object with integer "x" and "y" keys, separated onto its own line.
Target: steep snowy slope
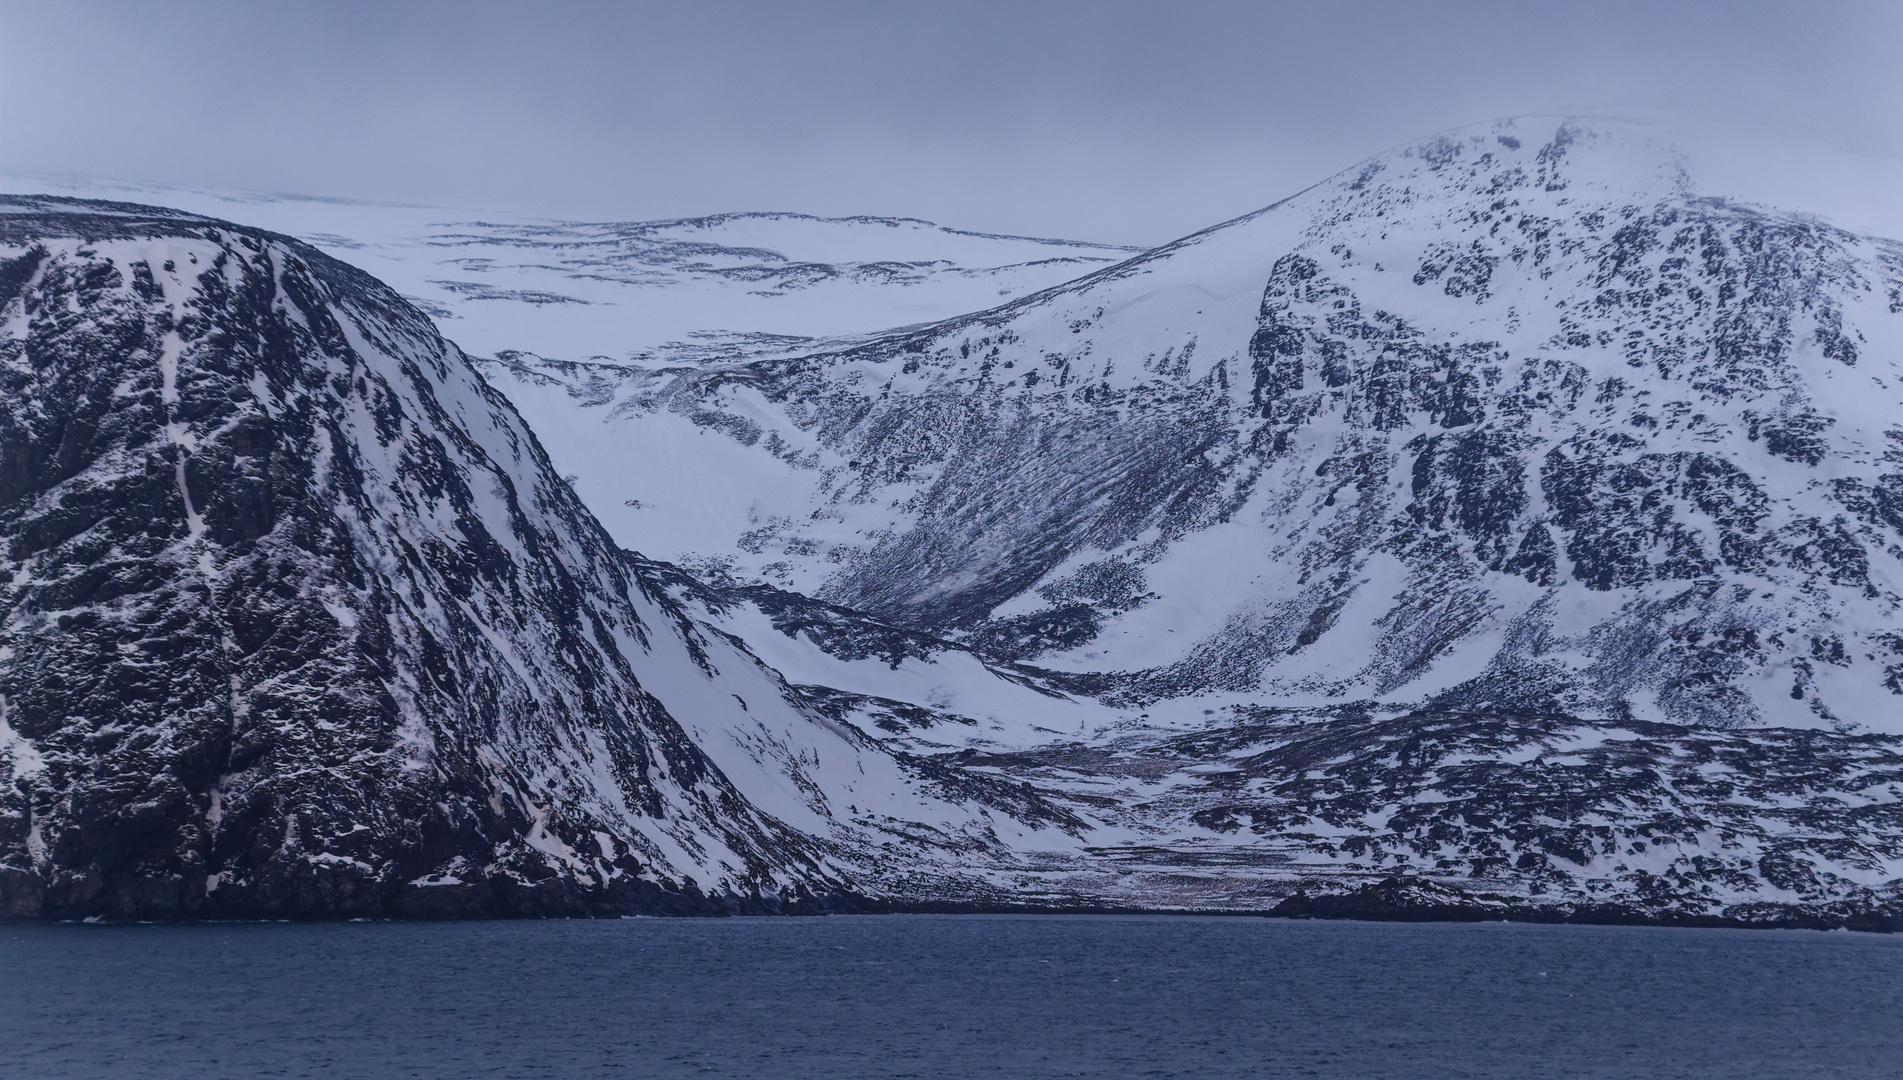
{"x": 689, "y": 288}
{"x": 296, "y": 620}
{"x": 1511, "y": 417}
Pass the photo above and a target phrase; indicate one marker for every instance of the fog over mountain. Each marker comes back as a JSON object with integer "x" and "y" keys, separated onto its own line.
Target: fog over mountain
{"x": 1118, "y": 121}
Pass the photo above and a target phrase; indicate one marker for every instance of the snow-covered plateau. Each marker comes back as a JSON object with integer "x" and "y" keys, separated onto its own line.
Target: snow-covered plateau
{"x": 1501, "y": 528}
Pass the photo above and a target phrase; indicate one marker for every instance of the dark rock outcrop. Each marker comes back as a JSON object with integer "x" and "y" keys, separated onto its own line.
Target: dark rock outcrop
{"x": 299, "y": 622}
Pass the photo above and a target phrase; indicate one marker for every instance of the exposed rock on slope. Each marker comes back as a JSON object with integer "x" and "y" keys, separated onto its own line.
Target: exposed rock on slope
{"x": 1486, "y": 815}
{"x": 1351, "y": 810}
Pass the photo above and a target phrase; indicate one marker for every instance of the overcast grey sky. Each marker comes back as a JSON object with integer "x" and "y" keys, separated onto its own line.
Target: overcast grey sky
{"x": 1120, "y": 121}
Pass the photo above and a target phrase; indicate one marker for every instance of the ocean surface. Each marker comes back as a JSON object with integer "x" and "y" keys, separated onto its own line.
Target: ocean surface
{"x": 946, "y": 996}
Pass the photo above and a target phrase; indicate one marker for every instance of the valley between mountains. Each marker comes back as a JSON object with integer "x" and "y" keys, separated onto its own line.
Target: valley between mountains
{"x": 1502, "y": 528}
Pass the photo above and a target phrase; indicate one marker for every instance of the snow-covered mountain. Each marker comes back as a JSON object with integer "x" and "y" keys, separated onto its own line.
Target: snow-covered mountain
{"x": 1513, "y": 416}
{"x": 683, "y": 289}
{"x": 299, "y": 621}
{"x": 1499, "y": 528}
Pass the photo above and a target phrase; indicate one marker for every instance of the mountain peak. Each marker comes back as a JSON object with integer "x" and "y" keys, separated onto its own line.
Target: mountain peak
{"x": 1508, "y": 414}
{"x": 1603, "y": 157}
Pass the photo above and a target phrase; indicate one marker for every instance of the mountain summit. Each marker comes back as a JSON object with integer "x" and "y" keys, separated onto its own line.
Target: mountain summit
{"x": 1510, "y": 417}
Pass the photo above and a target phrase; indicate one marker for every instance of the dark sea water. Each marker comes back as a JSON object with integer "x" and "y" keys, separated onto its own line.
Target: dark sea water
{"x": 944, "y": 996}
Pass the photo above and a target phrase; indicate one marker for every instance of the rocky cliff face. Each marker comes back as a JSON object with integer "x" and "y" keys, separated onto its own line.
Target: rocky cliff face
{"x": 299, "y": 622}
{"x": 681, "y": 289}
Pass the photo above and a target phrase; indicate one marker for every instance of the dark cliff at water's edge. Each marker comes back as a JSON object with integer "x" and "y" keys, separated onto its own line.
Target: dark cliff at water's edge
{"x": 298, "y": 623}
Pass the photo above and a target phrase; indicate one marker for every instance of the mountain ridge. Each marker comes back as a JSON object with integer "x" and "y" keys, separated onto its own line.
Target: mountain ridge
{"x": 813, "y": 408}
{"x": 577, "y": 290}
